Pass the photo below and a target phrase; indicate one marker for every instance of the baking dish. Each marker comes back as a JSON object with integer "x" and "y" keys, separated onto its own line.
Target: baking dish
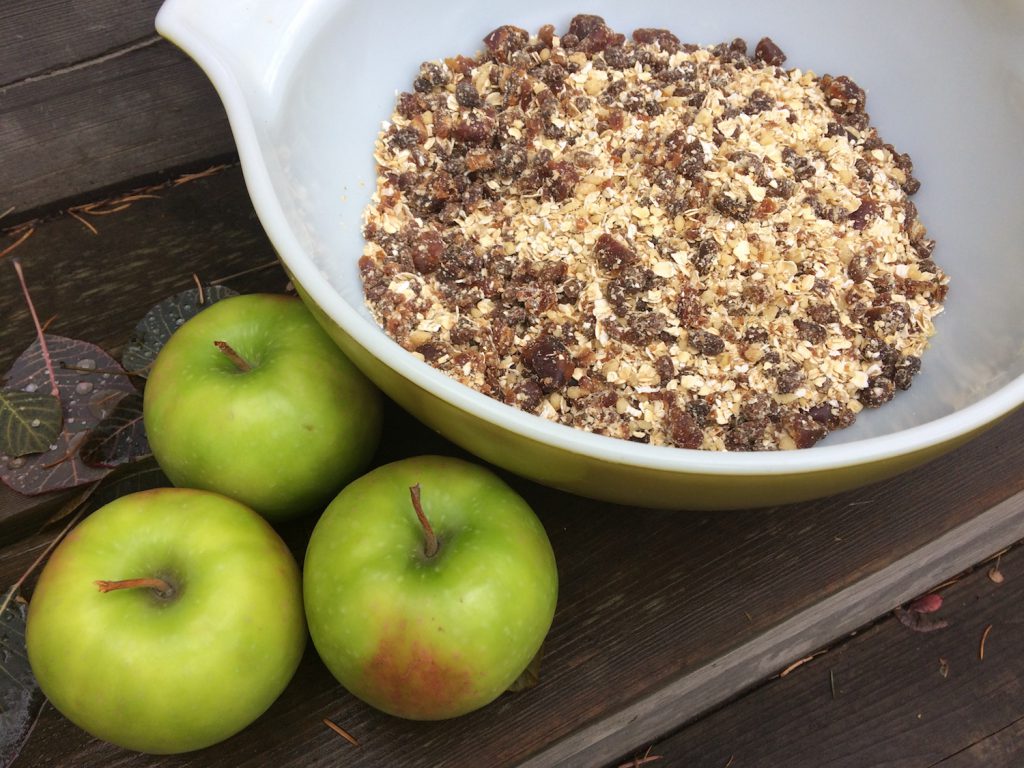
{"x": 307, "y": 84}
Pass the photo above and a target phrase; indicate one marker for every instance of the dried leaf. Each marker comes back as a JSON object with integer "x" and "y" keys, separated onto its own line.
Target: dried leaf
{"x": 90, "y": 383}
{"x": 120, "y": 438}
{"x": 943, "y": 667}
{"x": 530, "y": 676}
{"x": 163, "y": 320}
{"x": 20, "y": 697}
{"x": 920, "y": 622}
{"x": 29, "y": 421}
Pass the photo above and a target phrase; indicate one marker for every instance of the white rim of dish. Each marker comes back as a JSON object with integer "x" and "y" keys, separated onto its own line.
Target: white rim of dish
{"x": 371, "y": 337}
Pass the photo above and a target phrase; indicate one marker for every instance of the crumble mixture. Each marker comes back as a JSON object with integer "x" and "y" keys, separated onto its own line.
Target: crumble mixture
{"x": 682, "y": 245}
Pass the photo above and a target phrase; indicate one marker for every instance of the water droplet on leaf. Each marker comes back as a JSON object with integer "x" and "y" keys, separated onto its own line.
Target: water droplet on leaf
{"x": 35, "y": 422}
{"x": 31, "y": 387}
{"x": 15, "y": 463}
{"x": 83, "y": 387}
{"x": 87, "y": 363}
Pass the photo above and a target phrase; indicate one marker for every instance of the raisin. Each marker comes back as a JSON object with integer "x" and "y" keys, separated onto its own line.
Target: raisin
{"x": 664, "y": 39}
{"x": 859, "y": 268}
{"x": 528, "y": 394}
{"x": 911, "y": 185}
{"x": 733, "y": 207}
{"x": 571, "y": 290}
{"x": 823, "y": 313}
{"x": 867, "y": 210}
{"x": 755, "y": 334}
{"x": 832, "y": 416}
{"x": 427, "y": 251}
{"x": 706, "y": 256}
{"x": 466, "y": 94}
{"x": 550, "y": 360}
{"x": 582, "y": 24}
{"x": 618, "y": 57}
{"x": 865, "y": 171}
{"x": 546, "y": 34}
{"x": 612, "y": 254}
{"x": 683, "y": 429}
{"x": 788, "y": 379}
{"x": 768, "y": 52}
{"x": 758, "y": 102}
{"x": 745, "y": 436}
{"x": 705, "y": 342}
{"x": 760, "y": 407}
{"x": 802, "y": 167}
{"x": 844, "y": 96}
{"x": 690, "y": 310}
{"x": 410, "y": 105}
{"x": 809, "y": 330}
{"x": 433, "y": 351}
{"x": 879, "y": 391}
{"x": 505, "y": 40}
{"x": 908, "y": 367}
{"x": 700, "y": 411}
{"x": 432, "y": 75}
{"x": 511, "y": 161}
{"x": 403, "y": 138}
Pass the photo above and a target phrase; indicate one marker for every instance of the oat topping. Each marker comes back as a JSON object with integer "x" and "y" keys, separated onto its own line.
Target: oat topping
{"x": 661, "y": 242}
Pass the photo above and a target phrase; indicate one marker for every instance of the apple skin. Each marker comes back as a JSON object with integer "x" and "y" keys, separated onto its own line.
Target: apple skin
{"x": 429, "y": 639}
{"x": 282, "y": 438}
{"x": 167, "y": 676}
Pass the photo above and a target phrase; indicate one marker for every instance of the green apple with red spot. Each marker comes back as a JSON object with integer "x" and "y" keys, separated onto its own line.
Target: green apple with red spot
{"x": 429, "y": 586}
{"x": 252, "y": 399}
{"x": 167, "y": 621}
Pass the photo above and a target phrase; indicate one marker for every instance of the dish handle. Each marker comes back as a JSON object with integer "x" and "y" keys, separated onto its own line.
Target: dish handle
{"x": 241, "y": 40}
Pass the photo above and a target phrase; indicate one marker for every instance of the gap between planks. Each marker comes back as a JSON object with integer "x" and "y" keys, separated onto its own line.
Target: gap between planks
{"x": 849, "y": 609}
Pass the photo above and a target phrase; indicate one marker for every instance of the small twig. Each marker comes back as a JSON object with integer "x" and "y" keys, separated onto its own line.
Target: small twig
{"x": 187, "y": 177}
{"x": 832, "y": 682}
{"x": 732, "y": 759}
{"x": 994, "y": 574}
{"x": 981, "y": 646}
{"x": 79, "y": 502}
{"x": 83, "y": 222}
{"x": 245, "y": 272}
{"x": 199, "y": 288}
{"x": 25, "y": 236}
{"x": 7, "y": 213}
{"x": 636, "y": 762}
{"x": 341, "y": 732}
{"x": 39, "y": 329}
{"x": 801, "y": 662}
{"x": 48, "y": 322}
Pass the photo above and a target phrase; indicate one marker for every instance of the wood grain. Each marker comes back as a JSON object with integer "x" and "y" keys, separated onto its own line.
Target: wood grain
{"x": 647, "y": 599}
{"x": 892, "y": 707}
{"x": 42, "y": 36}
{"x": 115, "y": 119}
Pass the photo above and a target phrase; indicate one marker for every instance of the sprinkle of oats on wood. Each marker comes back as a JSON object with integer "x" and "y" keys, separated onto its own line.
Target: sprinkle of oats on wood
{"x": 665, "y": 243}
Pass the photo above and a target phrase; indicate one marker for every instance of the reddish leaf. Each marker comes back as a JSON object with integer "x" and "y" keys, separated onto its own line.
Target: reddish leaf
{"x": 120, "y": 438}
{"x": 19, "y": 692}
{"x": 90, "y": 384}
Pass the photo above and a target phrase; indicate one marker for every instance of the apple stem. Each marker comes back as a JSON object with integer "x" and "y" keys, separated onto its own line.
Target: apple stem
{"x": 240, "y": 362}
{"x": 430, "y": 546}
{"x": 161, "y": 587}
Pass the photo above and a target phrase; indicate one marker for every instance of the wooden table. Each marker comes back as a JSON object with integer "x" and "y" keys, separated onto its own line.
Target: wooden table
{"x": 672, "y": 629}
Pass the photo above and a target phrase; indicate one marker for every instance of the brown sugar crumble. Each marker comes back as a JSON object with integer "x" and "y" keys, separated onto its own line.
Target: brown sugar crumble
{"x": 681, "y": 245}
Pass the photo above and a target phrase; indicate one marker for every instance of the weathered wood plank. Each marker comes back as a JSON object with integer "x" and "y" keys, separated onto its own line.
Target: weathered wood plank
{"x": 40, "y": 36}
{"x": 647, "y": 599}
{"x": 893, "y": 706}
{"x": 119, "y": 118}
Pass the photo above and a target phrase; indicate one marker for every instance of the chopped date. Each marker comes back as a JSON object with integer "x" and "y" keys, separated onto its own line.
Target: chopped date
{"x": 661, "y": 37}
{"x": 733, "y": 207}
{"x": 562, "y": 180}
{"x": 432, "y": 75}
{"x": 745, "y": 436}
{"x": 810, "y": 330}
{"x": 427, "y": 251}
{"x": 768, "y": 52}
{"x": 908, "y": 367}
{"x": 802, "y": 167}
{"x": 582, "y": 24}
{"x": 612, "y": 254}
{"x": 867, "y": 211}
{"x": 844, "y": 96}
{"x": 474, "y": 129}
{"x": 805, "y": 430}
{"x": 705, "y": 257}
{"x": 505, "y": 40}
{"x": 788, "y": 379}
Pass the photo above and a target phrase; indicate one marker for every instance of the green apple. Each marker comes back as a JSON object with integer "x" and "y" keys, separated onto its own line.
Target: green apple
{"x": 252, "y": 399}
{"x": 167, "y": 621}
{"x": 429, "y": 586}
